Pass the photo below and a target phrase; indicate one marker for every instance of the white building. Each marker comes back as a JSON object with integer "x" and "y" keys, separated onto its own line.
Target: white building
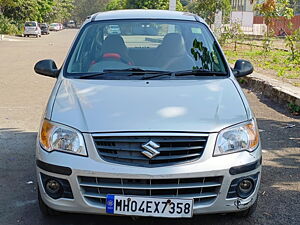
{"x": 242, "y": 12}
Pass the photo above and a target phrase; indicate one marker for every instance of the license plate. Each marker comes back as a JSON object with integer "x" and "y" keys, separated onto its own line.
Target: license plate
{"x": 156, "y": 207}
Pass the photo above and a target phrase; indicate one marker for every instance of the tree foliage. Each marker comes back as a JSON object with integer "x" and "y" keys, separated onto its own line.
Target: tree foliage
{"x": 292, "y": 42}
{"x": 142, "y": 4}
{"x": 232, "y": 32}
{"x": 272, "y": 9}
{"x": 184, "y": 2}
{"x": 116, "y": 5}
{"x": 84, "y": 8}
{"x": 62, "y": 10}
{"x": 208, "y": 8}
{"x": 16, "y": 12}
{"x": 7, "y": 26}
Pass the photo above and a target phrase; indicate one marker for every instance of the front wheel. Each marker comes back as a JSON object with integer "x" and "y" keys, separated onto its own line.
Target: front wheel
{"x": 46, "y": 210}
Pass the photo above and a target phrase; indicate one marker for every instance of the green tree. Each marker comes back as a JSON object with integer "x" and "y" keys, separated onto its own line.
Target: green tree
{"x": 142, "y": 4}
{"x": 80, "y": 11}
{"x": 234, "y": 33}
{"x": 207, "y": 9}
{"x": 184, "y": 2}
{"x": 292, "y": 41}
{"x": 272, "y": 9}
{"x": 16, "y": 12}
{"x": 116, "y": 5}
{"x": 62, "y": 10}
{"x": 151, "y": 4}
{"x": 7, "y": 26}
{"x": 21, "y": 10}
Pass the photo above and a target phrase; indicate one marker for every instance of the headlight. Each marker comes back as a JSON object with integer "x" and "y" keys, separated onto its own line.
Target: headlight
{"x": 57, "y": 137}
{"x": 237, "y": 138}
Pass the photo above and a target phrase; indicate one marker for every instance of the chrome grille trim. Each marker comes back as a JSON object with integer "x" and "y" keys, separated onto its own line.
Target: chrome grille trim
{"x": 126, "y": 148}
{"x": 127, "y": 186}
{"x": 203, "y": 190}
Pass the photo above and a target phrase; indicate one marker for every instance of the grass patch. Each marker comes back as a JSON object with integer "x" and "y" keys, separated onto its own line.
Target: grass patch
{"x": 295, "y": 109}
{"x": 275, "y": 62}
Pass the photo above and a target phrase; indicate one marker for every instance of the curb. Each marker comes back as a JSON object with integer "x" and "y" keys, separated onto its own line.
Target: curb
{"x": 274, "y": 89}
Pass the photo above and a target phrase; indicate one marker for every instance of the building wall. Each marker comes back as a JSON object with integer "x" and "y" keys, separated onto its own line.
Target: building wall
{"x": 242, "y": 12}
{"x": 244, "y": 18}
{"x": 280, "y": 23}
{"x": 241, "y": 5}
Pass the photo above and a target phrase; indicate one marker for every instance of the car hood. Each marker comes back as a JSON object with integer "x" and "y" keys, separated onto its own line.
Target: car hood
{"x": 152, "y": 105}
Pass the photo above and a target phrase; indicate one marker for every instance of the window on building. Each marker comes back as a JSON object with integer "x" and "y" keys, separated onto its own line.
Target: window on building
{"x": 239, "y": 5}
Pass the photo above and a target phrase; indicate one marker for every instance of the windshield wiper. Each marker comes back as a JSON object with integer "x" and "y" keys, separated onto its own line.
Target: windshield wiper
{"x": 156, "y": 73}
{"x": 137, "y": 71}
{"x": 91, "y": 75}
{"x": 199, "y": 72}
{"x": 195, "y": 72}
{"x": 132, "y": 72}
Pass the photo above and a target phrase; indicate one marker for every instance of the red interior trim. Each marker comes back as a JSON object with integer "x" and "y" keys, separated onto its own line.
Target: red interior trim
{"x": 112, "y": 55}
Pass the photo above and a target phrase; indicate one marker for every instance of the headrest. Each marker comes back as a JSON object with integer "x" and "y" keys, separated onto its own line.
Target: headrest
{"x": 173, "y": 43}
{"x": 114, "y": 44}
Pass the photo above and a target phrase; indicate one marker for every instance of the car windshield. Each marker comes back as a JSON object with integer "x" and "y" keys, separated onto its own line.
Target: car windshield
{"x": 30, "y": 24}
{"x": 143, "y": 46}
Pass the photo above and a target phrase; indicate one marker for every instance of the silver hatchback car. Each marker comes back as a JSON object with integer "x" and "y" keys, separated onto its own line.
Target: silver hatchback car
{"x": 149, "y": 121}
{"x": 32, "y": 28}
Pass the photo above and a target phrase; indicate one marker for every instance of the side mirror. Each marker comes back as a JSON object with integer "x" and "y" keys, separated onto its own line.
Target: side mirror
{"x": 242, "y": 68}
{"x": 46, "y": 67}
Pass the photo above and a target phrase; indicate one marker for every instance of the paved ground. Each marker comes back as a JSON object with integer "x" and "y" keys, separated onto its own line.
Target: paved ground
{"x": 23, "y": 96}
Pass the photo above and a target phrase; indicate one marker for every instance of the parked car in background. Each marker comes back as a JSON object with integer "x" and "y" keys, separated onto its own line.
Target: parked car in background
{"x": 31, "y": 28}
{"x": 61, "y": 27}
{"x": 78, "y": 25}
{"x": 71, "y": 24}
{"x": 113, "y": 29}
{"x": 54, "y": 27}
{"x": 44, "y": 28}
{"x": 154, "y": 124}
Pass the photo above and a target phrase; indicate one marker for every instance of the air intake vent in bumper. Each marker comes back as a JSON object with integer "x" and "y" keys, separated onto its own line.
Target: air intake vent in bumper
{"x": 203, "y": 190}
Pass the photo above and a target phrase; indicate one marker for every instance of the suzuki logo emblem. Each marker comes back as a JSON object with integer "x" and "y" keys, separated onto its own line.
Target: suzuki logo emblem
{"x": 150, "y": 148}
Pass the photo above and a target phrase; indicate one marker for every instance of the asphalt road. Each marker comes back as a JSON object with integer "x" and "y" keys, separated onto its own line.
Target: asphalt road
{"x": 23, "y": 96}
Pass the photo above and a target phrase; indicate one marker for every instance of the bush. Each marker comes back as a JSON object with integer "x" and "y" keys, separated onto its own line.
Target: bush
{"x": 116, "y": 5}
{"x": 232, "y": 32}
{"x": 7, "y": 26}
{"x": 267, "y": 43}
{"x": 293, "y": 43}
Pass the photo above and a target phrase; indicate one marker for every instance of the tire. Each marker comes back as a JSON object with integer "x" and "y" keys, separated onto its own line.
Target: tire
{"x": 46, "y": 210}
{"x": 248, "y": 212}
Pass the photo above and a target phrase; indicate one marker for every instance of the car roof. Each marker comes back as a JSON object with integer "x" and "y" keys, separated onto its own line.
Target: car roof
{"x": 145, "y": 14}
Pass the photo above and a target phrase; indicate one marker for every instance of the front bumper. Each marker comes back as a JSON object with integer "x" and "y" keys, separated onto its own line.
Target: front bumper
{"x": 94, "y": 166}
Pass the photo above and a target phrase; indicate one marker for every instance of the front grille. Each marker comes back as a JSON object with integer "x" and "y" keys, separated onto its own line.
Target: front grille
{"x": 128, "y": 149}
{"x": 203, "y": 190}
